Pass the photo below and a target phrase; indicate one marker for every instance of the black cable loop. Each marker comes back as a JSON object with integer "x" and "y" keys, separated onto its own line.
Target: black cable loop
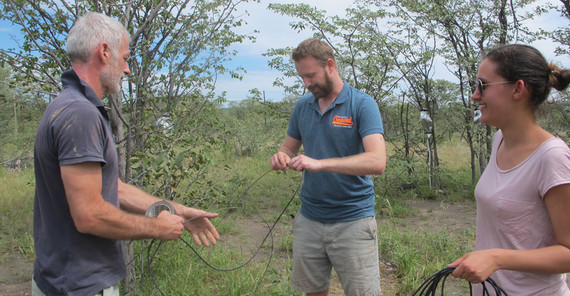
{"x": 262, "y": 242}
{"x": 149, "y": 262}
{"x": 150, "y": 257}
{"x": 429, "y": 286}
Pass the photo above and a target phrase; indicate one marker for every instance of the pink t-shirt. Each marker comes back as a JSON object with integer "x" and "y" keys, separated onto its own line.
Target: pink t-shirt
{"x": 511, "y": 213}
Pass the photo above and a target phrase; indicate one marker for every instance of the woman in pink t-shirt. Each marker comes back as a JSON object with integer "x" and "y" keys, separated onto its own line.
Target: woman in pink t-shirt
{"x": 523, "y": 196}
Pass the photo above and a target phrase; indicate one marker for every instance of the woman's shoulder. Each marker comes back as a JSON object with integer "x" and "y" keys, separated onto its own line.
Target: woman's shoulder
{"x": 557, "y": 145}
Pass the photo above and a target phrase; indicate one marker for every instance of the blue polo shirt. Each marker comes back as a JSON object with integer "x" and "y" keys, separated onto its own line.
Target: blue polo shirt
{"x": 333, "y": 197}
{"x": 72, "y": 131}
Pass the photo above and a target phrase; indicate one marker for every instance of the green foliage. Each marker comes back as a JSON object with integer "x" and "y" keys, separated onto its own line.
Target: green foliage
{"x": 176, "y": 271}
{"x": 16, "y": 203}
{"x": 178, "y": 49}
{"x": 408, "y": 177}
{"x": 415, "y": 252}
{"x": 363, "y": 56}
{"x": 179, "y": 146}
{"x": 562, "y": 33}
{"x": 389, "y": 50}
{"x": 419, "y": 253}
{"x": 41, "y": 56}
{"x": 212, "y": 156}
{"x": 20, "y": 113}
{"x": 392, "y": 207}
{"x": 247, "y": 194}
{"x": 401, "y": 174}
{"x": 256, "y": 127}
{"x": 555, "y": 116}
{"x": 282, "y": 62}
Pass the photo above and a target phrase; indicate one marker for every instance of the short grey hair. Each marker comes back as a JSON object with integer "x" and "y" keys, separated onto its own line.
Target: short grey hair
{"x": 89, "y": 31}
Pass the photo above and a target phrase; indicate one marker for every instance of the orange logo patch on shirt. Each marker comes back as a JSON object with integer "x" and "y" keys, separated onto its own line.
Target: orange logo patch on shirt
{"x": 342, "y": 121}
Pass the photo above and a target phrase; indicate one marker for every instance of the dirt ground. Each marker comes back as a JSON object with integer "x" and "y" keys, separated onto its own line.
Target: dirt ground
{"x": 15, "y": 275}
{"x": 15, "y": 271}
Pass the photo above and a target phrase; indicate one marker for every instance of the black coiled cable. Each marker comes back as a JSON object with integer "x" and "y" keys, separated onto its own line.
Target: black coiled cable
{"x": 429, "y": 287}
{"x": 157, "y": 207}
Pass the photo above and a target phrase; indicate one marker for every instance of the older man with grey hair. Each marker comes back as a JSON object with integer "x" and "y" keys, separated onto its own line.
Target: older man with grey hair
{"x": 82, "y": 210}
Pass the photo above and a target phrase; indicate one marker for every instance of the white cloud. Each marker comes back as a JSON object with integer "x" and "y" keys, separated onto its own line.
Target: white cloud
{"x": 274, "y": 28}
{"x": 549, "y": 22}
{"x": 274, "y": 32}
{"x": 239, "y": 89}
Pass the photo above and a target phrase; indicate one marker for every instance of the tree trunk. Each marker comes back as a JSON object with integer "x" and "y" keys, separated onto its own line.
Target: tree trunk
{"x": 472, "y": 152}
{"x": 15, "y": 117}
{"x": 118, "y": 127}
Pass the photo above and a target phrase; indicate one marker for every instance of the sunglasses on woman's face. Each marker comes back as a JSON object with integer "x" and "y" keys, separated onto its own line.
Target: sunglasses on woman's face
{"x": 481, "y": 86}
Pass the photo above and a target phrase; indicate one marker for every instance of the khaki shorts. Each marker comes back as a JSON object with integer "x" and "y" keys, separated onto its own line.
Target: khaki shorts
{"x": 350, "y": 247}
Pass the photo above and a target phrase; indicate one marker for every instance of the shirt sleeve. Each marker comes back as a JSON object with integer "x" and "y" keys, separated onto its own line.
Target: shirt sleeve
{"x": 554, "y": 168}
{"x": 370, "y": 118}
{"x": 78, "y": 134}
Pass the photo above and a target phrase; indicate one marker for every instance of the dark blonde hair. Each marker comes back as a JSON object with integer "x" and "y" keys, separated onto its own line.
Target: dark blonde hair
{"x": 523, "y": 62}
{"x": 318, "y": 49}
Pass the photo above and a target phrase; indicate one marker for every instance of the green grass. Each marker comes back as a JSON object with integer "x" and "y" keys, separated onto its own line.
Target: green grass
{"x": 454, "y": 153}
{"x": 16, "y": 204}
{"x": 178, "y": 271}
{"x": 416, "y": 253}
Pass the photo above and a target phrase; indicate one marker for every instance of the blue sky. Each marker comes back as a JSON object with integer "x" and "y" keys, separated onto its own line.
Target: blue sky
{"x": 276, "y": 33}
{"x": 7, "y": 29}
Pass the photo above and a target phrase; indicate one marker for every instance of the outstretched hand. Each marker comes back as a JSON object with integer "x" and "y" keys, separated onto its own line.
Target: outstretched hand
{"x": 198, "y": 224}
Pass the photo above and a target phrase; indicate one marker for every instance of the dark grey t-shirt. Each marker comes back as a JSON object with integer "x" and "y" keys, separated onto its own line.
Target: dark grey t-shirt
{"x": 72, "y": 131}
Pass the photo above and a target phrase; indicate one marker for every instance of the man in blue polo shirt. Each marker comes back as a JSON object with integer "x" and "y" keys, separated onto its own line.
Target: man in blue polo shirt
{"x": 81, "y": 208}
{"x": 341, "y": 131}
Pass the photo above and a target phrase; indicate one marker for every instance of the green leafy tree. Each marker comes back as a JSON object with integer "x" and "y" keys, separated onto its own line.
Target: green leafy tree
{"x": 464, "y": 30}
{"x": 560, "y": 35}
{"x": 554, "y": 117}
{"x": 178, "y": 49}
{"x": 416, "y": 67}
{"x": 359, "y": 46}
{"x": 19, "y": 114}
{"x": 254, "y": 129}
